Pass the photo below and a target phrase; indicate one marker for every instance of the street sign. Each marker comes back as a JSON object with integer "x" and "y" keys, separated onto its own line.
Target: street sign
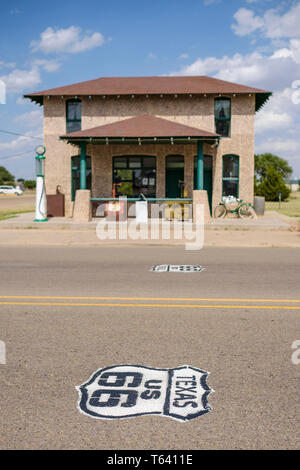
{"x": 125, "y": 391}
{"x": 177, "y": 268}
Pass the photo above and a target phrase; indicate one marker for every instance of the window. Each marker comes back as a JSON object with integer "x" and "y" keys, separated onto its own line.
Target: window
{"x": 134, "y": 175}
{"x": 73, "y": 114}
{"x": 230, "y": 175}
{"x": 75, "y": 162}
{"x": 223, "y": 116}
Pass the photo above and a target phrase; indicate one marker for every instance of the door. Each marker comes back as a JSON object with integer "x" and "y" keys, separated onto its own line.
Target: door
{"x": 75, "y": 174}
{"x": 207, "y": 176}
{"x": 174, "y": 176}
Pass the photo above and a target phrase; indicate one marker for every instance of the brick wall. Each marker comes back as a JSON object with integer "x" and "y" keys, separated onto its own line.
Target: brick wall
{"x": 196, "y": 111}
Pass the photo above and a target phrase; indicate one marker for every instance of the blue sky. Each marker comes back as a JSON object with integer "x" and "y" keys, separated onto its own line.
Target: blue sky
{"x": 245, "y": 41}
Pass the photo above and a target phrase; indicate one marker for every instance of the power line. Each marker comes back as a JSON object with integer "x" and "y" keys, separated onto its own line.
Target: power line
{"x": 16, "y": 155}
{"x": 21, "y": 135}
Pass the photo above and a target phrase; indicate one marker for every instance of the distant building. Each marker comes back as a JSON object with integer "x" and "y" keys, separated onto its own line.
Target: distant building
{"x": 293, "y": 184}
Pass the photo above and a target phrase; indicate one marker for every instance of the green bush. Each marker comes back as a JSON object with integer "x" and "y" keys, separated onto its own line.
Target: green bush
{"x": 267, "y": 160}
{"x": 29, "y": 184}
{"x": 271, "y": 185}
{"x": 6, "y": 178}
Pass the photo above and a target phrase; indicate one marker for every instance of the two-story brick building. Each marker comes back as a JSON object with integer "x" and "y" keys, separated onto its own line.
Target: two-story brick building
{"x": 160, "y": 136}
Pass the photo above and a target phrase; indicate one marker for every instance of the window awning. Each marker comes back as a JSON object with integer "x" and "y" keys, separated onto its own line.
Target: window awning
{"x": 142, "y": 129}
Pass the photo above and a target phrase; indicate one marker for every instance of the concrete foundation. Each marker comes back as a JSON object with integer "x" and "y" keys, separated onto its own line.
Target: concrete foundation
{"x": 82, "y": 207}
{"x": 200, "y": 197}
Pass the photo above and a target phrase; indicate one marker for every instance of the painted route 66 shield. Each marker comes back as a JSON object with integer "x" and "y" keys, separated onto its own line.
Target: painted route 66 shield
{"x": 124, "y": 391}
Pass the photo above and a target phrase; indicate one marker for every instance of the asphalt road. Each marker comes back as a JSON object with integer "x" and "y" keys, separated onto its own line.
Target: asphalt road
{"x": 66, "y": 312}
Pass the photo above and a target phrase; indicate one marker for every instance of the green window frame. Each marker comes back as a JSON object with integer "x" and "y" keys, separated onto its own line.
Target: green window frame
{"x": 230, "y": 175}
{"x": 75, "y": 174}
{"x": 223, "y": 116}
{"x": 133, "y": 175}
{"x": 73, "y": 115}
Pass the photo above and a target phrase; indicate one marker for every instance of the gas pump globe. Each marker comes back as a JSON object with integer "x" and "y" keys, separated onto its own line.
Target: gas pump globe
{"x": 40, "y": 201}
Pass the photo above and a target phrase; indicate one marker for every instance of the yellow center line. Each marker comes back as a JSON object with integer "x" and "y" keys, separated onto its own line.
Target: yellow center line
{"x": 174, "y": 299}
{"x": 65, "y": 304}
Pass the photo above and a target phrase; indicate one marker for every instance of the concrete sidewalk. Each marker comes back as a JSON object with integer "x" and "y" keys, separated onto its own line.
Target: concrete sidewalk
{"x": 270, "y": 221}
{"x": 272, "y": 230}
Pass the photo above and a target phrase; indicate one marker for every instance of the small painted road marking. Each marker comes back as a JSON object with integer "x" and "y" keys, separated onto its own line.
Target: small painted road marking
{"x": 177, "y": 268}
{"x": 125, "y": 391}
{"x": 2, "y": 353}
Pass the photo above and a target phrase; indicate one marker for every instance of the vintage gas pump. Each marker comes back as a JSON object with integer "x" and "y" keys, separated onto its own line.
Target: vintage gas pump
{"x": 40, "y": 201}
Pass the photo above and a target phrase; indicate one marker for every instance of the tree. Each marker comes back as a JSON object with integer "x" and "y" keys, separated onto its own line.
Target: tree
{"x": 30, "y": 184}
{"x": 6, "y": 178}
{"x": 267, "y": 160}
{"x": 271, "y": 185}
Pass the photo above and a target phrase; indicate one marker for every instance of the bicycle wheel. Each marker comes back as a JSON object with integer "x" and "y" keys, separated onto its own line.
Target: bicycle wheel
{"x": 246, "y": 211}
{"x": 220, "y": 211}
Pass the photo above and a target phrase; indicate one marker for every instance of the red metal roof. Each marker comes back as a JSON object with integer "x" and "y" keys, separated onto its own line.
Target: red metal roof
{"x": 141, "y": 126}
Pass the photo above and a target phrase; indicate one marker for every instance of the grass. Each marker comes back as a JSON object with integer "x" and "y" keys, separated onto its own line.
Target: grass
{"x": 9, "y": 214}
{"x": 291, "y": 207}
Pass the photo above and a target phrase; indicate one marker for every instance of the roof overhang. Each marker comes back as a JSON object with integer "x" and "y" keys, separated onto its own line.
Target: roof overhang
{"x": 117, "y": 87}
{"x": 139, "y": 140}
{"x": 144, "y": 129}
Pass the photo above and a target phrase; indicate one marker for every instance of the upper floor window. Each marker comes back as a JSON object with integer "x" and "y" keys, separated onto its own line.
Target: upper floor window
{"x": 73, "y": 114}
{"x": 223, "y": 116}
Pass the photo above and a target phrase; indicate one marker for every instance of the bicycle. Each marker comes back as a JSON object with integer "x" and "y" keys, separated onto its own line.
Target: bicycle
{"x": 245, "y": 210}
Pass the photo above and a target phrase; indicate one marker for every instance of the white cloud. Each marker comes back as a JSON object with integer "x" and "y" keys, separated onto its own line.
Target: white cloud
{"x": 183, "y": 56}
{"x": 292, "y": 51}
{"x": 286, "y": 25}
{"x": 278, "y": 122}
{"x": 21, "y": 143}
{"x": 48, "y": 65}
{"x": 273, "y": 24}
{"x": 69, "y": 40}
{"x": 14, "y": 11}
{"x": 32, "y": 119}
{"x": 20, "y": 80}
{"x": 269, "y": 120}
{"x": 152, "y": 56}
{"x": 275, "y": 71}
{"x": 18, "y": 154}
{"x": 287, "y": 148}
{"x": 20, "y": 100}
{"x": 211, "y": 2}
{"x": 8, "y": 65}
{"x": 246, "y": 22}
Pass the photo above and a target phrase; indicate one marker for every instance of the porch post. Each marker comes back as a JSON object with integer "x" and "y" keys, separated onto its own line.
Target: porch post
{"x": 200, "y": 165}
{"x": 82, "y": 165}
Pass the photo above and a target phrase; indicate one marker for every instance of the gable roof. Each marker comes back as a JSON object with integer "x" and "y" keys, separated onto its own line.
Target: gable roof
{"x": 141, "y": 126}
{"x": 167, "y": 85}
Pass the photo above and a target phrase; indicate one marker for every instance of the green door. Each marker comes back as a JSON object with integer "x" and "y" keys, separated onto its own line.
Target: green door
{"x": 207, "y": 183}
{"x": 75, "y": 174}
{"x": 174, "y": 176}
{"x": 207, "y": 176}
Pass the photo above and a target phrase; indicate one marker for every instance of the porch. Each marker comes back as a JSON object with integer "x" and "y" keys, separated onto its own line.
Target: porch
{"x": 154, "y": 157}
